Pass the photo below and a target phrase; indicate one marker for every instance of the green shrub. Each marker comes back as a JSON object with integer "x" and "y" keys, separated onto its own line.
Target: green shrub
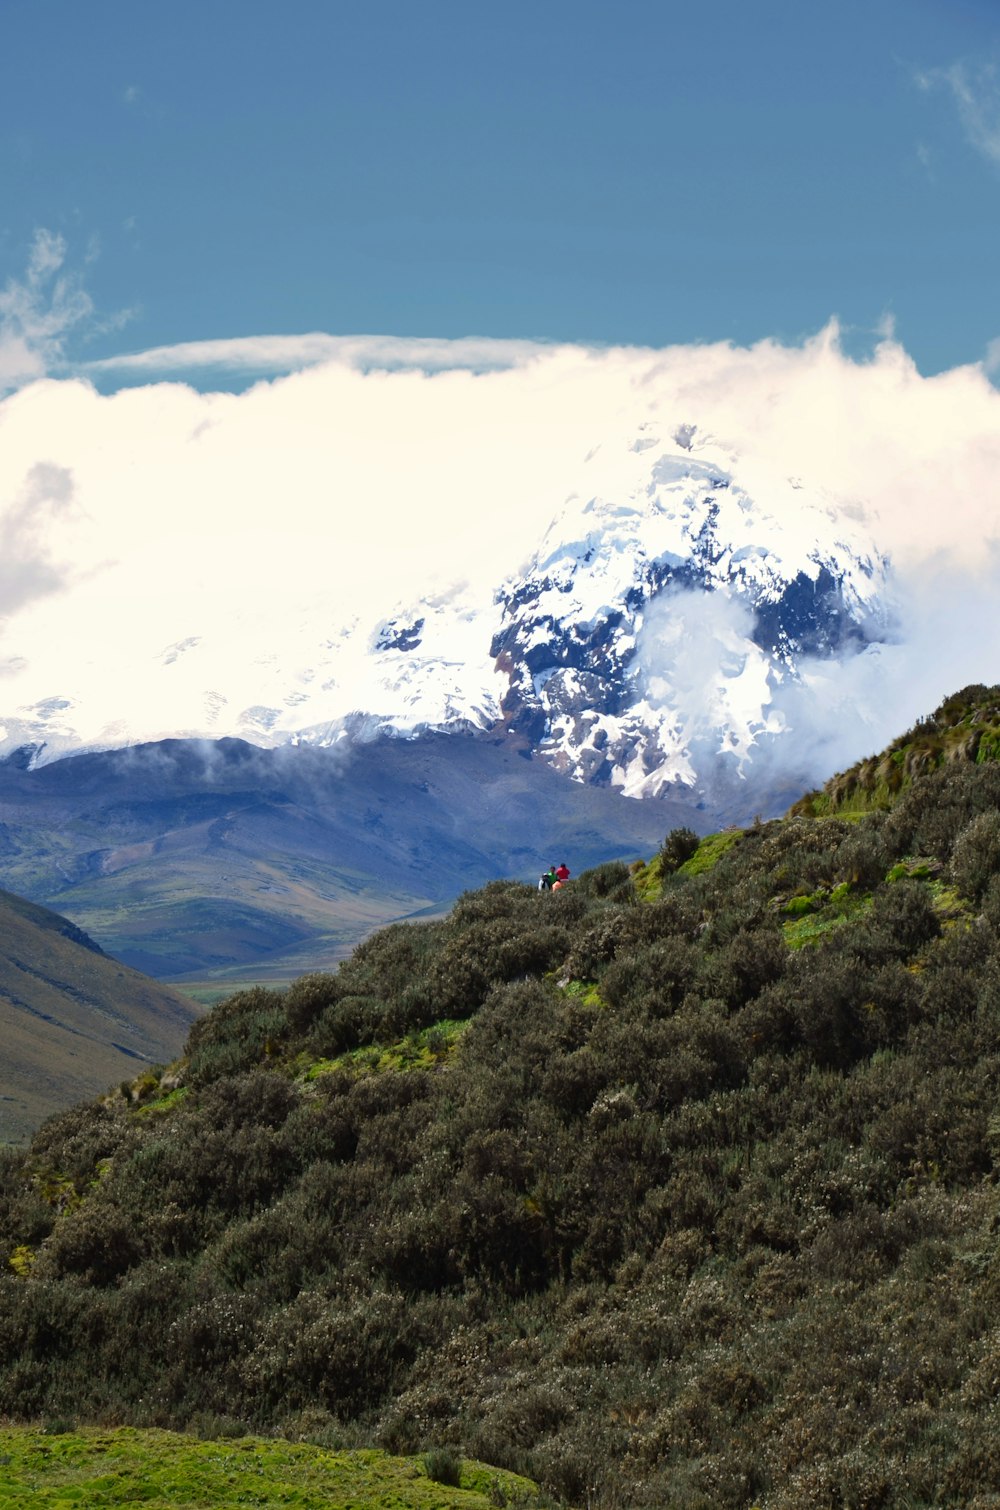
{"x": 94, "y": 1243}
{"x": 679, "y": 845}
{"x": 236, "y": 1035}
{"x": 310, "y": 996}
{"x": 655, "y": 978}
{"x": 612, "y": 881}
{"x": 444, "y": 1466}
{"x": 975, "y": 858}
{"x": 904, "y": 913}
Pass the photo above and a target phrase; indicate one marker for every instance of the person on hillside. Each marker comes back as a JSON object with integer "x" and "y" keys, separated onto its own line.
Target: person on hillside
{"x": 548, "y": 880}
{"x": 562, "y": 873}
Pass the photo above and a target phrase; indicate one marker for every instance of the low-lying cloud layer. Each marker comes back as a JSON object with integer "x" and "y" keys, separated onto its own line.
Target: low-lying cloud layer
{"x": 381, "y": 471}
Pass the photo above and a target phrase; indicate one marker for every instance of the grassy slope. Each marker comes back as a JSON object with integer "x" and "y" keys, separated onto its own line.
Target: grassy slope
{"x": 964, "y": 729}
{"x": 73, "y": 1021}
{"x": 698, "y": 1208}
{"x": 164, "y": 1470}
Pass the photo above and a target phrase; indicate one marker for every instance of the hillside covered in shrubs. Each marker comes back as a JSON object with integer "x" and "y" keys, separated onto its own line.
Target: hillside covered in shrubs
{"x": 673, "y": 1188}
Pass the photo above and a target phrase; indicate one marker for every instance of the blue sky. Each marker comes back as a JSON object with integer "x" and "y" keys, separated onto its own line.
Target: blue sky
{"x": 635, "y": 173}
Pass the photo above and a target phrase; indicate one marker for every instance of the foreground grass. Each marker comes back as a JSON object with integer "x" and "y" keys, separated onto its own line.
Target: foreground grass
{"x": 164, "y": 1470}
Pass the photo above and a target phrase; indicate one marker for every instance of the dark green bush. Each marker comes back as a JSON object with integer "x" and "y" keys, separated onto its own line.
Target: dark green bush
{"x": 309, "y": 997}
{"x": 679, "y": 845}
{"x": 655, "y": 978}
{"x": 611, "y": 881}
{"x": 70, "y": 1146}
{"x": 444, "y": 1466}
{"x": 236, "y": 1035}
{"x": 738, "y": 971}
{"x": 93, "y": 1243}
{"x": 488, "y": 954}
{"x": 975, "y": 858}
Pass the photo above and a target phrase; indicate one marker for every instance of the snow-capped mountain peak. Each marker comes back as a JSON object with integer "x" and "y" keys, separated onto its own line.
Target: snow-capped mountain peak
{"x": 647, "y": 635}
{"x": 651, "y": 627}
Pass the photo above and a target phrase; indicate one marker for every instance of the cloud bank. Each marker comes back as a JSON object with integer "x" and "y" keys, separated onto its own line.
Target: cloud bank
{"x": 138, "y": 523}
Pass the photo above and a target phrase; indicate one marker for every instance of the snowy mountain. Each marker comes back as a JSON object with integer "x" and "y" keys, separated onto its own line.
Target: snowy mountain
{"x": 654, "y": 629}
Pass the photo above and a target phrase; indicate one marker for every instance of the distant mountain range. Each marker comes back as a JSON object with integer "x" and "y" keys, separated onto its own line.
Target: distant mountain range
{"x": 221, "y": 861}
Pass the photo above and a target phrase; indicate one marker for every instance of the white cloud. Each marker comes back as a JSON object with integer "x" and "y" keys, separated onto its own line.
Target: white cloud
{"x": 384, "y": 470}
{"x": 271, "y": 355}
{"x": 29, "y": 533}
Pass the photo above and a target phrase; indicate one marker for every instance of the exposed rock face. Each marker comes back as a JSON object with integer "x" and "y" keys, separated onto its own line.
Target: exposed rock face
{"x": 687, "y": 577}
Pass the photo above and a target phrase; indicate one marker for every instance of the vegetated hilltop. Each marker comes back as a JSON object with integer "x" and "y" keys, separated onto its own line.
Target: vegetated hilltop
{"x": 675, "y": 1187}
{"x": 966, "y": 727}
{"x": 73, "y": 1021}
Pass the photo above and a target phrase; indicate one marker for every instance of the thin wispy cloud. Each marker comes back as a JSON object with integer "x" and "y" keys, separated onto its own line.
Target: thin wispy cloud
{"x": 38, "y": 312}
{"x": 976, "y": 95}
{"x": 273, "y": 355}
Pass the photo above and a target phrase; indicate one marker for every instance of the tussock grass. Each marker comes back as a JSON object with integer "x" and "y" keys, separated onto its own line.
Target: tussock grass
{"x": 165, "y": 1470}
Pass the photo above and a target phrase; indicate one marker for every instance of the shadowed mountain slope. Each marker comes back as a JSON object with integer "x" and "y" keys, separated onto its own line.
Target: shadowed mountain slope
{"x": 72, "y": 1020}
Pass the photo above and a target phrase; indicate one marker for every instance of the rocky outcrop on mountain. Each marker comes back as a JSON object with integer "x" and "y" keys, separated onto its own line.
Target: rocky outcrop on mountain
{"x": 629, "y": 597}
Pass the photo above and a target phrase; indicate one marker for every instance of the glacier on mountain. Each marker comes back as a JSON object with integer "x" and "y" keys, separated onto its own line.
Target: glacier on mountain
{"x": 652, "y": 634}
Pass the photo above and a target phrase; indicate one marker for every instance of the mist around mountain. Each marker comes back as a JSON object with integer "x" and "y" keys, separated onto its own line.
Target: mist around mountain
{"x": 770, "y": 565}
{"x": 72, "y": 1020}
{"x": 688, "y": 623}
{"x": 666, "y": 617}
{"x": 677, "y": 1186}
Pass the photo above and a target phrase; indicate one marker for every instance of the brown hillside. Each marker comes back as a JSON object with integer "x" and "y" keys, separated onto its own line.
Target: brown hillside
{"x": 73, "y": 1021}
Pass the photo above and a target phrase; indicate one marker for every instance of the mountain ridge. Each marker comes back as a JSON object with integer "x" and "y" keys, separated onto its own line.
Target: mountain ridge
{"x": 196, "y": 860}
